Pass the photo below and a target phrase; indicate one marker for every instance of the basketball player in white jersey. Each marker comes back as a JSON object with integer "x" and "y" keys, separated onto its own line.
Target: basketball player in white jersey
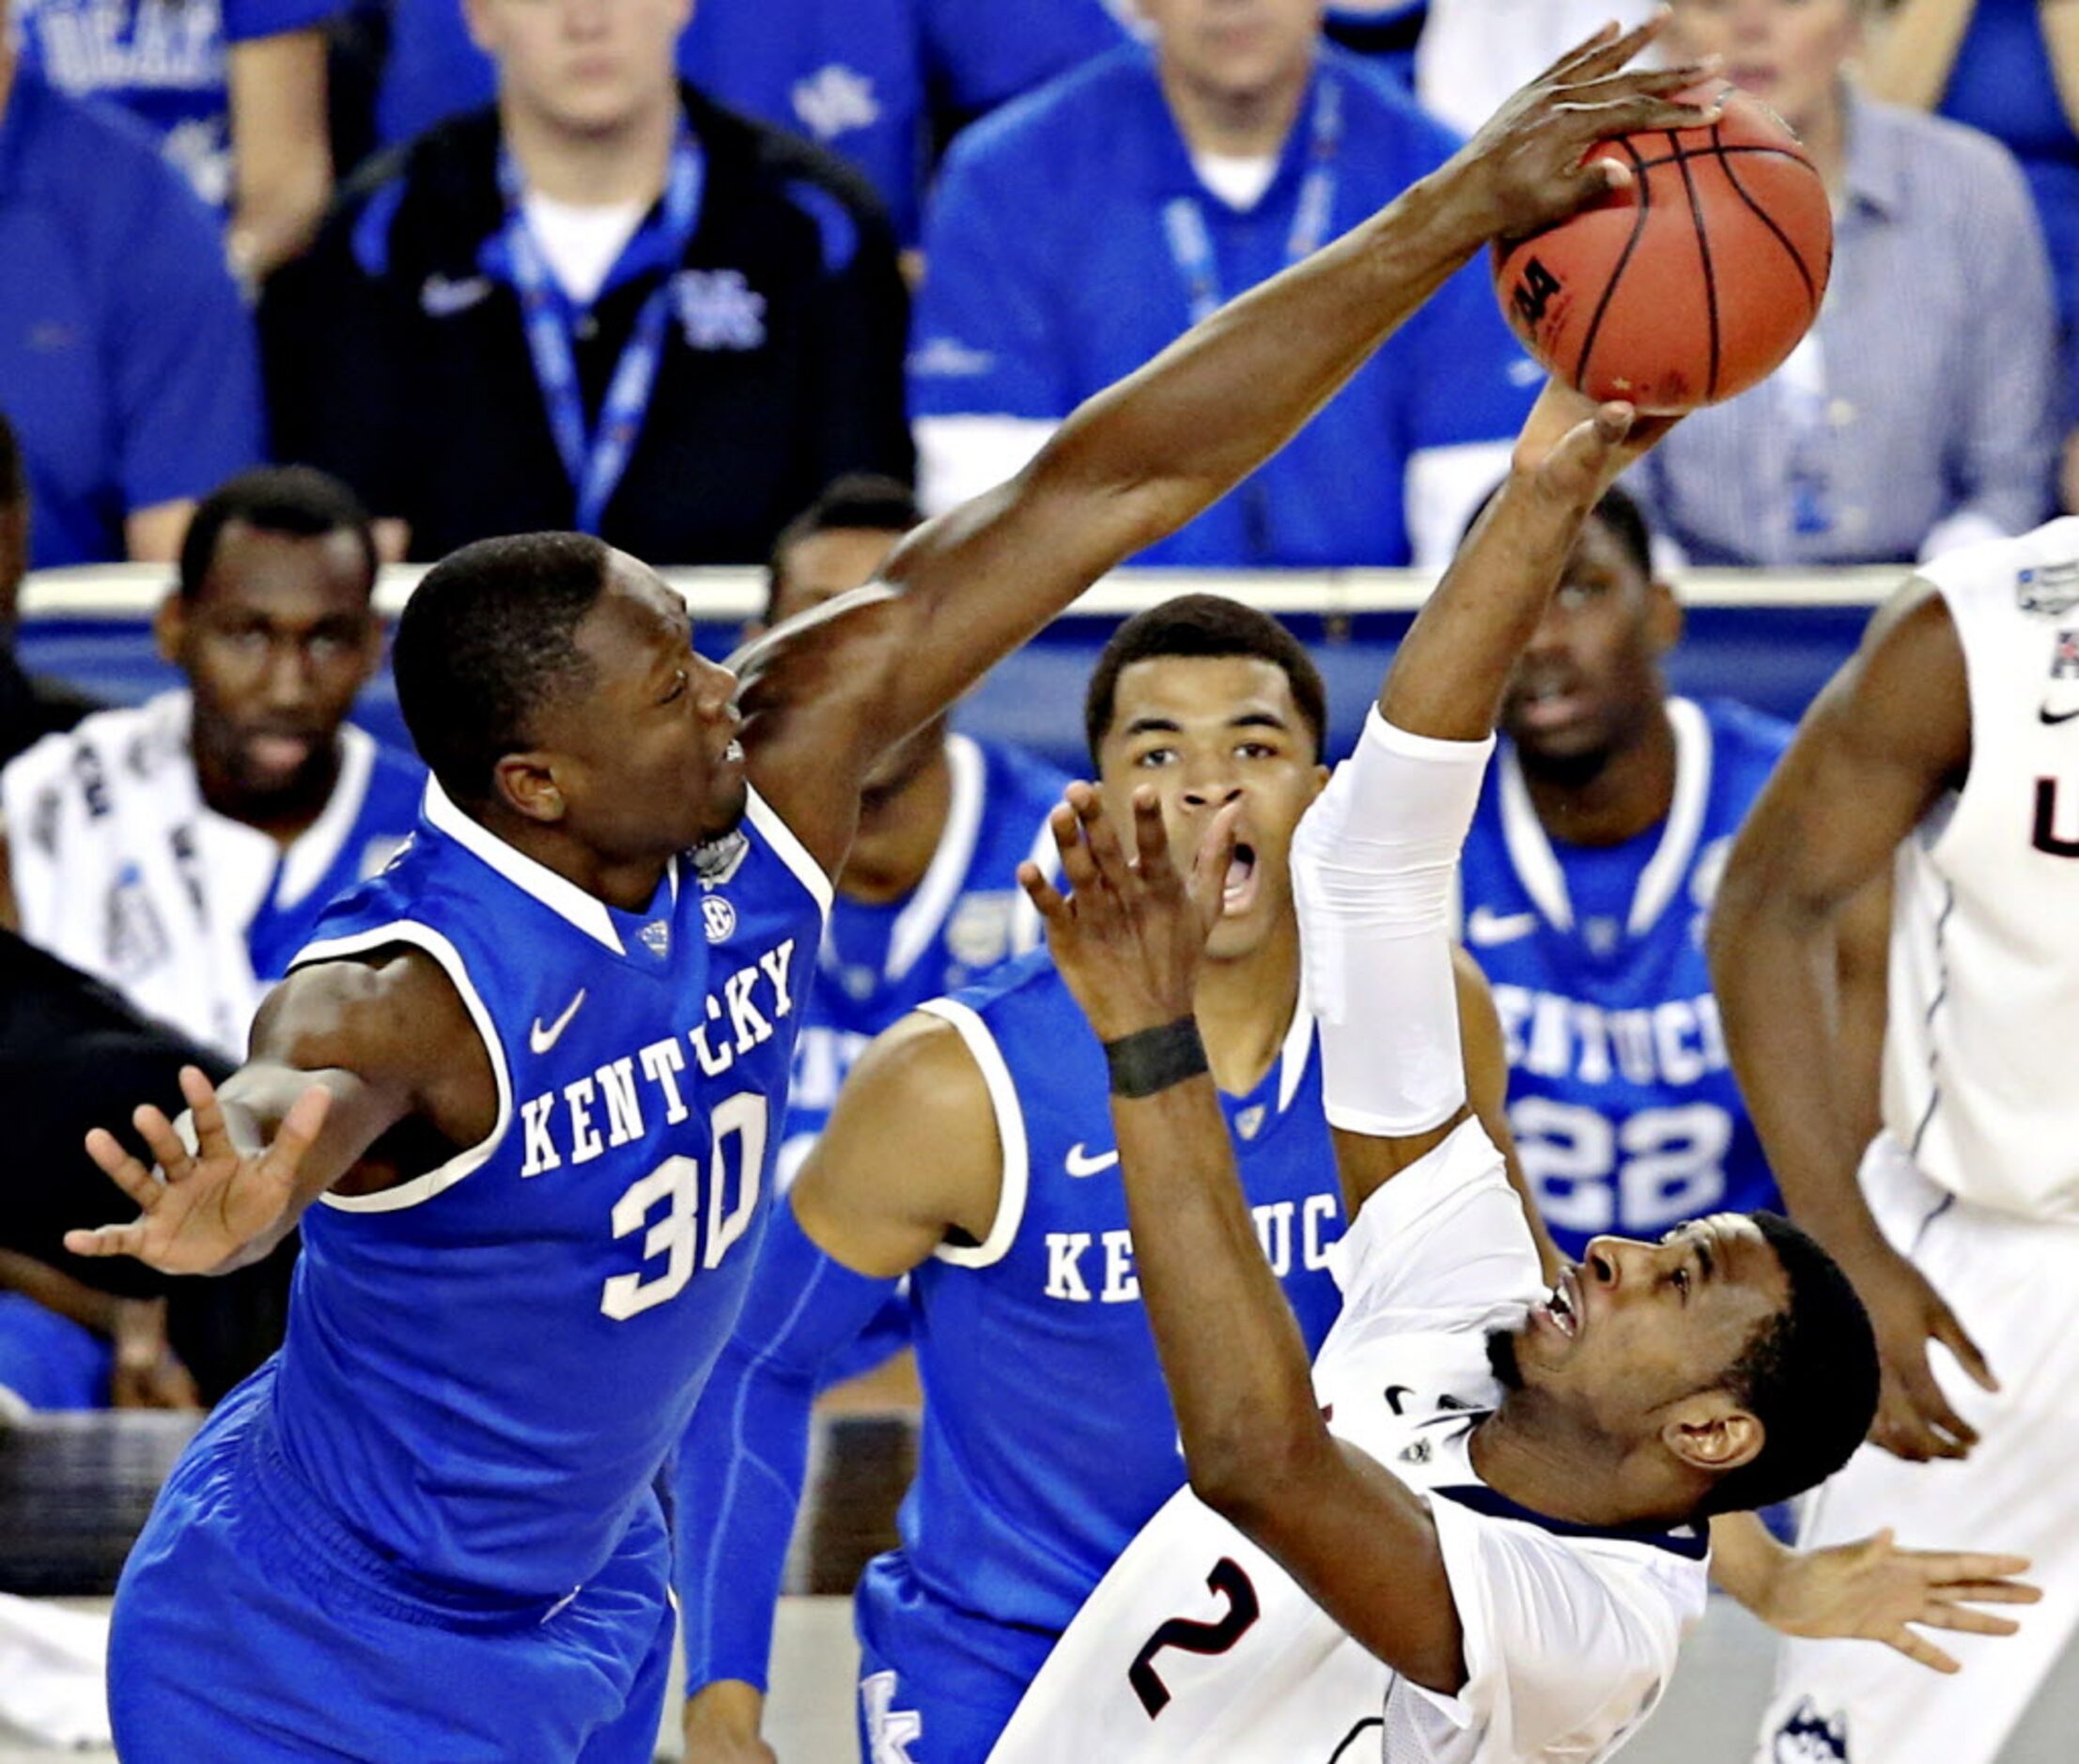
{"x": 1946, "y": 750}
{"x": 1478, "y": 1533}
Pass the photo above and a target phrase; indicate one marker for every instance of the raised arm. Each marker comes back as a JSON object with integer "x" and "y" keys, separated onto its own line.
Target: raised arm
{"x": 1140, "y": 458}
{"x": 1127, "y": 939}
{"x": 342, "y": 1053}
{"x": 1890, "y": 732}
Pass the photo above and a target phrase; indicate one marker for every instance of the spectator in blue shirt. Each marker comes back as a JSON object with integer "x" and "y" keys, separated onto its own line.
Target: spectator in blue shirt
{"x": 859, "y": 77}
{"x": 234, "y": 89}
{"x": 2011, "y": 68}
{"x": 126, "y": 357}
{"x": 1079, "y": 231}
{"x": 1919, "y": 414}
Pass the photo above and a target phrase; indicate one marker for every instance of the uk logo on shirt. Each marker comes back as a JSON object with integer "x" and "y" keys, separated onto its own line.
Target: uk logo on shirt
{"x": 835, "y": 98}
{"x": 719, "y": 310}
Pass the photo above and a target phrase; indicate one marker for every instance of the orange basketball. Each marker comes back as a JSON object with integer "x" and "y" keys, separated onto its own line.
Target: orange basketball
{"x": 1691, "y": 285}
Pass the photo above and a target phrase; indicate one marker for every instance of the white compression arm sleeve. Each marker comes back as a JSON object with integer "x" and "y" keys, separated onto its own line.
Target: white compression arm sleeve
{"x": 1374, "y": 866}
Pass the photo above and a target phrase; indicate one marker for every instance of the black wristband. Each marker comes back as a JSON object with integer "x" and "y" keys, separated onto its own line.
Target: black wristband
{"x": 1153, "y": 1060}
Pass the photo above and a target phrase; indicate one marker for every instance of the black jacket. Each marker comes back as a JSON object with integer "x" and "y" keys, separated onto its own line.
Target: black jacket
{"x": 395, "y": 361}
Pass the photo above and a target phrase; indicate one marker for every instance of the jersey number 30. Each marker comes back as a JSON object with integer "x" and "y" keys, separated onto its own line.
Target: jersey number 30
{"x": 739, "y": 1127}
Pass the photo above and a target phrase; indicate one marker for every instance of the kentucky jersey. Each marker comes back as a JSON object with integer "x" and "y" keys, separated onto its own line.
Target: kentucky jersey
{"x": 967, "y": 917}
{"x": 1622, "y": 1101}
{"x": 1198, "y": 1646}
{"x": 1047, "y": 1436}
{"x": 1977, "y": 1079}
{"x": 485, "y": 1366}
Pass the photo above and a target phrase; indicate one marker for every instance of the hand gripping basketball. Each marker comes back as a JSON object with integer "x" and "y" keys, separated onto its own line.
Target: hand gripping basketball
{"x": 1689, "y": 280}
{"x": 204, "y": 1206}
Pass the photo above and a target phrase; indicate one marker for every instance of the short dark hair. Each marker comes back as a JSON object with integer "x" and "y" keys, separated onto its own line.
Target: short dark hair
{"x": 1810, "y": 1375}
{"x": 860, "y": 501}
{"x": 1618, "y": 511}
{"x": 486, "y": 637}
{"x": 1204, "y": 626}
{"x": 299, "y": 500}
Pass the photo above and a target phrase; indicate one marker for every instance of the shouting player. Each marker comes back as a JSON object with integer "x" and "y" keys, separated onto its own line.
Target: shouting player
{"x": 532, "y": 1075}
{"x": 1480, "y": 1525}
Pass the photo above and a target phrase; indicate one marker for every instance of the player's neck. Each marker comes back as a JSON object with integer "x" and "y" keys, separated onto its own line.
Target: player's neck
{"x": 1533, "y": 1452}
{"x": 1241, "y": 124}
{"x": 1245, "y": 1009}
{"x": 1631, "y": 791}
{"x": 283, "y": 817}
{"x": 627, "y": 884}
{"x": 899, "y": 830}
{"x": 595, "y": 169}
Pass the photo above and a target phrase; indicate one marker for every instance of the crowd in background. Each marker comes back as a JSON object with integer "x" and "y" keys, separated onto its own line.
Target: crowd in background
{"x": 662, "y": 272}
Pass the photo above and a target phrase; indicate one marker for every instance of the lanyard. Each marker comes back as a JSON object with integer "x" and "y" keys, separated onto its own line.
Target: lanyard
{"x": 597, "y": 461}
{"x": 1191, "y": 241}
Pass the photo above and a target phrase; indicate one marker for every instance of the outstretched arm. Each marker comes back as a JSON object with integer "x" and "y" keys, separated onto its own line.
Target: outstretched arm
{"x": 1140, "y": 459}
{"x": 1890, "y": 732}
{"x": 342, "y": 1053}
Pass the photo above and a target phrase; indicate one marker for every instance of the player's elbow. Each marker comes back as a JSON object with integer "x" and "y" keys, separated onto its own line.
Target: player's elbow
{"x": 1245, "y": 1472}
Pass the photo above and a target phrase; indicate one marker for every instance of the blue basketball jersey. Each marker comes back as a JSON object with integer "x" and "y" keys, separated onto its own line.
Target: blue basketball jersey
{"x": 485, "y": 1366}
{"x": 1622, "y": 1097}
{"x": 1049, "y": 1438}
{"x": 966, "y": 918}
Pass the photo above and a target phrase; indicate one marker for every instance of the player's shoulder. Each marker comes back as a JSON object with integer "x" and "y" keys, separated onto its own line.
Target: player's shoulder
{"x": 2038, "y": 568}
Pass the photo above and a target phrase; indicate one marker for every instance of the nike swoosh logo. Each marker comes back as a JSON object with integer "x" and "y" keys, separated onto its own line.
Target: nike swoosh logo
{"x": 2053, "y": 718}
{"x": 1487, "y": 927}
{"x": 540, "y": 1040}
{"x": 1080, "y": 1163}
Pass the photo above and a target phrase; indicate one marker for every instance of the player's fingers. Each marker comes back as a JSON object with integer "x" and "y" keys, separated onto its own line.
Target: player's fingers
{"x": 1571, "y": 59}
{"x": 1952, "y": 1336}
{"x": 1102, "y": 837}
{"x": 1047, "y": 899}
{"x": 1917, "y": 1648}
{"x": 108, "y": 1240}
{"x": 1940, "y": 1615}
{"x": 1956, "y": 1568}
{"x": 121, "y": 1168}
{"x": 1640, "y": 113}
{"x": 1935, "y": 1410}
{"x": 1150, "y": 839}
{"x": 1604, "y": 53}
{"x": 1901, "y": 1432}
{"x": 1651, "y": 82}
{"x": 1991, "y": 1592}
{"x": 1077, "y": 869}
{"x": 1210, "y": 865}
{"x": 298, "y": 1133}
{"x": 212, "y": 1138}
{"x": 163, "y": 1143}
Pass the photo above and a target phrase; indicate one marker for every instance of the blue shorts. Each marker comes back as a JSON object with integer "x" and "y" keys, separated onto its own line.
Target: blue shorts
{"x": 48, "y": 1361}
{"x": 935, "y": 1678}
{"x": 249, "y": 1625}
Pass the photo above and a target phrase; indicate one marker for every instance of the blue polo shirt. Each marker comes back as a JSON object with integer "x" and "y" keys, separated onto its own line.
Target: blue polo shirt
{"x": 162, "y": 60}
{"x": 126, "y": 362}
{"x": 1056, "y": 268}
{"x": 848, "y": 74}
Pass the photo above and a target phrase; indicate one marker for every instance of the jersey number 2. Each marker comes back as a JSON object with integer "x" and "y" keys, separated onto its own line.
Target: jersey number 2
{"x": 675, "y": 1237}
{"x": 1232, "y": 1583}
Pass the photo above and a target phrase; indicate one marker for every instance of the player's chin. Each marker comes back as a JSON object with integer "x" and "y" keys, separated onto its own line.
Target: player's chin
{"x": 728, "y": 800}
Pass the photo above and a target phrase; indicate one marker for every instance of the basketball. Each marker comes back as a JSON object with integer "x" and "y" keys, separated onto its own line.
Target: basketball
{"x": 1691, "y": 285}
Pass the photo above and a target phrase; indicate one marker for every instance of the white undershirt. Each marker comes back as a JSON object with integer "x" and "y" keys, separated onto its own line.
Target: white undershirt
{"x": 1238, "y": 179}
{"x": 582, "y": 243}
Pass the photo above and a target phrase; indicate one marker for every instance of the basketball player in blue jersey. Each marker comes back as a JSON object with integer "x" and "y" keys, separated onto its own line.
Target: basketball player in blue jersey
{"x": 524, "y": 1091}
{"x": 1587, "y": 882}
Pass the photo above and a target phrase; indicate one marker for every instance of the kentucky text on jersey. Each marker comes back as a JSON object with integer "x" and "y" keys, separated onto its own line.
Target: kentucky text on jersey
{"x": 1306, "y": 1226}
{"x": 584, "y": 1116}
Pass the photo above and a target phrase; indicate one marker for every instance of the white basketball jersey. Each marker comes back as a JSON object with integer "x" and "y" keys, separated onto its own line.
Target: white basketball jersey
{"x": 1985, "y": 1007}
{"x": 1196, "y": 1646}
